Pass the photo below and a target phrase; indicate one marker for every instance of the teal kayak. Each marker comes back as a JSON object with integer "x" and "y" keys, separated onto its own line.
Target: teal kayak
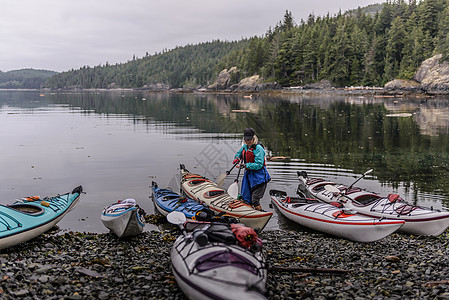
{"x": 29, "y": 217}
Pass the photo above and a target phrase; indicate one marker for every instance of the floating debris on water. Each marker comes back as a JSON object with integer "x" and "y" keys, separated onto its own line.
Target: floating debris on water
{"x": 400, "y": 115}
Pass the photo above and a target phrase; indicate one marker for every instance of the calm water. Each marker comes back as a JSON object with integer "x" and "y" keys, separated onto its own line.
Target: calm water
{"x": 116, "y": 143}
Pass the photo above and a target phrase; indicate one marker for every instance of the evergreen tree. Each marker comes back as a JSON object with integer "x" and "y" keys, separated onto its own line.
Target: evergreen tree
{"x": 443, "y": 34}
{"x": 337, "y": 59}
{"x": 396, "y": 36}
{"x": 429, "y": 16}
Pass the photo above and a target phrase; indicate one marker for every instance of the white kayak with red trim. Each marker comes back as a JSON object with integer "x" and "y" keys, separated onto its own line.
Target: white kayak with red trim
{"x": 207, "y": 192}
{"x": 418, "y": 220}
{"x": 332, "y": 220}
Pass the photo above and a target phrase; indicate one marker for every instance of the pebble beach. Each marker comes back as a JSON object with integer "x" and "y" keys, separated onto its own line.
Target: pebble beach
{"x": 75, "y": 265}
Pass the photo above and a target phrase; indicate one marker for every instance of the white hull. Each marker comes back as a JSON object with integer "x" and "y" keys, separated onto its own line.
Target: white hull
{"x": 418, "y": 220}
{"x": 124, "y": 224}
{"x": 332, "y": 220}
{"x": 220, "y": 281}
{"x": 161, "y": 210}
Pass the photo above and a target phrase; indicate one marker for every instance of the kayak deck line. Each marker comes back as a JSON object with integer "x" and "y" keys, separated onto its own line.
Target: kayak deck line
{"x": 374, "y": 221}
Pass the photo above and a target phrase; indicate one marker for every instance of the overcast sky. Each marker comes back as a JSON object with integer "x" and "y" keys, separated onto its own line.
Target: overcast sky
{"x": 59, "y": 35}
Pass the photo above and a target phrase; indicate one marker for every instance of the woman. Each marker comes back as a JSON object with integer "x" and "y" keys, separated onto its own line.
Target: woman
{"x": 256, "y": 177}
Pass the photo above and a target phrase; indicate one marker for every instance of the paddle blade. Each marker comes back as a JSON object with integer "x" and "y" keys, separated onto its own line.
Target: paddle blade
{"x": 233, "y": 190}
{"x": 176, "y": 218}
{"x": 220, "y": 179}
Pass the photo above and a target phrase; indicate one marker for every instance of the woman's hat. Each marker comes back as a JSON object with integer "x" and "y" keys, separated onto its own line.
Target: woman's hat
{"x": 248, "y": 133}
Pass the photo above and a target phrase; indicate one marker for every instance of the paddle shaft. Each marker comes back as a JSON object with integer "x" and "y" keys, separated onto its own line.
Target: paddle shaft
{"x": 358, "y": 179}
{"x": 221, "y": 178}
{"x": 310, "y": 270}
{"x": 227, "y": 172}
{"x": 238, "y": 174}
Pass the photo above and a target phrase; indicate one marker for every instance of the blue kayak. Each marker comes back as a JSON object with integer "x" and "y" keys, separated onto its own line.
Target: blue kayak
{"x": 29, "y": 217}
{"x": 167, "y": 201}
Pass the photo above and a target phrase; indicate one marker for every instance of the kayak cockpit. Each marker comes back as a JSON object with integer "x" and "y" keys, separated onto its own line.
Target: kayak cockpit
{"x": 223, "y": 258}
{"x": 28, "y": 209}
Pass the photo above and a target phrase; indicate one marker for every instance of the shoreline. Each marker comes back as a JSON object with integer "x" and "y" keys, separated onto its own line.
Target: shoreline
{"x": 75, "y": 265}
{"x": 348, "y": 91}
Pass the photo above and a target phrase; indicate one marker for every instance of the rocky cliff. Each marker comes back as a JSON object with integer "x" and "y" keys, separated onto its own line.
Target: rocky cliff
{"x": 228, "y": 80}
{"x": 432, "y": 77}
{"x": 433, "y": 74}
{"x": 403, "y": 85}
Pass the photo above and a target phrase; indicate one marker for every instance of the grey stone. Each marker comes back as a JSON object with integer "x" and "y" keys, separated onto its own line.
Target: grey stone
{"x": 433, "y": 74}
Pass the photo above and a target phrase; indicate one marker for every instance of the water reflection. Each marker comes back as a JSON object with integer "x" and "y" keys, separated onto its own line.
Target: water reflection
{"x": 116, "y": 142}
{"x": 404, "y": 140}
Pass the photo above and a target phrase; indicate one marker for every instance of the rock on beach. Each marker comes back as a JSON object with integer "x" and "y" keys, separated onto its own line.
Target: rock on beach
{"x": 77, "y": 265}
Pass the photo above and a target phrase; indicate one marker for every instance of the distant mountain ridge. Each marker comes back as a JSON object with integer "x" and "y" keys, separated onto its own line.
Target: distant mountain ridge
{"x": 24, "y": 78}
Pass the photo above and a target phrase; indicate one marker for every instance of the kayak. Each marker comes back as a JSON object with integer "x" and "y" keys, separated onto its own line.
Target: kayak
{"x": 418, "y": 220}
{"x": 167, "y": 201}
{"x": 209, "y": 193}
{"x": 332, "y": 220}
{"x": 208, "y": 262}
{"x": 29, "y": 217}
{"x": 124, "y": 218}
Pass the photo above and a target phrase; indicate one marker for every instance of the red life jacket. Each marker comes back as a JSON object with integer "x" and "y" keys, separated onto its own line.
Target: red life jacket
{"x": 248, "y": 155}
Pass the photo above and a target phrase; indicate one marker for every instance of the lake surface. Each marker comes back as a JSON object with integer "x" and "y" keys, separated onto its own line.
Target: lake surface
{"x": 115, "y": 143}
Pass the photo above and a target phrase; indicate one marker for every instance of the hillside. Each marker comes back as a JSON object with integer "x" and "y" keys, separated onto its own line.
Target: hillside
{"x": 189, "y": 67}
{"x": 24, "y": 79}
{"x": 366, "y": 46}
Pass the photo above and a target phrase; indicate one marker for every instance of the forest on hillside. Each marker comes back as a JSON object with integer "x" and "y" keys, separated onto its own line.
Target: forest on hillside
{"x": 24, "y": 79}
{"x": 367, "y": 46}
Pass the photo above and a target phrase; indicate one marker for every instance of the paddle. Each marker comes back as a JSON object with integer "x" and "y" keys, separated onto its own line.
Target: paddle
{"x": 363, "y": 175}
{"x": 233, "y": 189}
{"x": 308, "y": 270}
{"x": 177, "y": 218}
{"x": 221, "y": 178}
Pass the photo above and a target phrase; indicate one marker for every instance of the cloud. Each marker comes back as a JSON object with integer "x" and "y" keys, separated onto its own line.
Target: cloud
{"x": 64, "y": 34}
